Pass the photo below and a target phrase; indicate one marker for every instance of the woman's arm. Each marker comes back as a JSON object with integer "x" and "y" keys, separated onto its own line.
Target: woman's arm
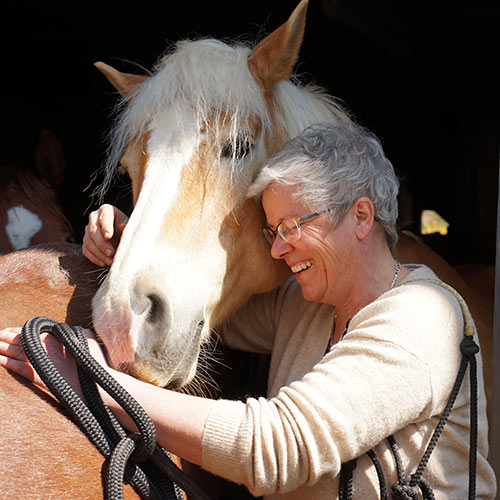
{"x": 179, "y": 418}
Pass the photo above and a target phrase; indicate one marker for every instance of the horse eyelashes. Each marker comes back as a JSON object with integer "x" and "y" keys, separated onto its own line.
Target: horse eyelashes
{"x": 237, "y": 149}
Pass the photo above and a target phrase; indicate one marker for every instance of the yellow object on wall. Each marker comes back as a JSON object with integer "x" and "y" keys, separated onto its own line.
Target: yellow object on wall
{"x": 431, "y": 222}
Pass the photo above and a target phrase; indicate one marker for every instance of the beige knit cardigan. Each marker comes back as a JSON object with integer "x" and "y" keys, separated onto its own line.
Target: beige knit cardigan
{"x": 391, "y": 374}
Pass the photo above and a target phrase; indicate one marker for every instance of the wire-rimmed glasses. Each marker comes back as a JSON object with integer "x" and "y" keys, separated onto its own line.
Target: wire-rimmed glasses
{"x": 288, "y": 229}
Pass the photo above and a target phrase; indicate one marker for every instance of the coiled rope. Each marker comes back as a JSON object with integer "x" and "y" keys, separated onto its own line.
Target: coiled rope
{"x": 415, "y": 486}
{"x": 135, "y": 458}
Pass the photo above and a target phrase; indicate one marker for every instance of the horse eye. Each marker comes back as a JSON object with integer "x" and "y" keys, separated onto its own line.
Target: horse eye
{"x": 237, "y": 149}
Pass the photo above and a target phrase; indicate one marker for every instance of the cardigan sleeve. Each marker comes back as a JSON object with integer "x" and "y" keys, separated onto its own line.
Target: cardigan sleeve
{"x": 395, "y": 366}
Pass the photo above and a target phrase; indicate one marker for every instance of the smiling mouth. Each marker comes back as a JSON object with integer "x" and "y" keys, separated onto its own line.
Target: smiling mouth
{"x": 300, "y": 267}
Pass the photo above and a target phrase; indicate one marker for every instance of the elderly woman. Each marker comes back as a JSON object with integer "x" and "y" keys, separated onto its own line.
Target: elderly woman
{"x": 362, "y": 349}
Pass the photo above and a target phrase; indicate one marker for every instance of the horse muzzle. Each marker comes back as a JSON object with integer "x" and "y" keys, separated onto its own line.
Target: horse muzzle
{"x": 147, "y": 337}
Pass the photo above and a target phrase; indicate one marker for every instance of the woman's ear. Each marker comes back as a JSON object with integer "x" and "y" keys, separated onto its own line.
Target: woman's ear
{"x": 364, "y": 213}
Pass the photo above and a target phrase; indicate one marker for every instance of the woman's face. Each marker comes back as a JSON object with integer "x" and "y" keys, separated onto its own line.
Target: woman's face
{"x": 319, "y": 259}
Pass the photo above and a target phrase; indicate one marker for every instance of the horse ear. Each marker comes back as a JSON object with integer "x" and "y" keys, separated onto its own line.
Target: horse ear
{"x": 49, "y": 159}
{"x": 125, "y": 83}
{"x": 273, "y": 59}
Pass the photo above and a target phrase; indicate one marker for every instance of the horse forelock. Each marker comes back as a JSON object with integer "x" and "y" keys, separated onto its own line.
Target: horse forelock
{"x": 213, "y": 80}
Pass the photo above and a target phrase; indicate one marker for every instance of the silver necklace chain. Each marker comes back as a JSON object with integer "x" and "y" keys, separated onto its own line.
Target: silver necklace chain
{"x": 394, "y": 279}
{"x": 396, "y": 274}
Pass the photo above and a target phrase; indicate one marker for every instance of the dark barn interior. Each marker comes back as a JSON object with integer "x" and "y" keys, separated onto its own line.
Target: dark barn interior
{"x": 423, "y": 76}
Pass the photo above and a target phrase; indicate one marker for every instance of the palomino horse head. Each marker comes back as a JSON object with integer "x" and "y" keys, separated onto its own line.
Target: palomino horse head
{"x": 195, "y": 135}
{"x": 30, "y": 212}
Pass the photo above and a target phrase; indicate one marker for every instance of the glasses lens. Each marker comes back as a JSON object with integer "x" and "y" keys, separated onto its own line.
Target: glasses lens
{"x": 269, "y": 235}
{"x": 289, "y": 230}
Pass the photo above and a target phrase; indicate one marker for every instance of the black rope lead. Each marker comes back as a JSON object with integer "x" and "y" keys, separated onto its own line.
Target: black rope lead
{"x": 136, "y": 458}
{"x": 415, "y": 486}
{"x": 346, "y": 479}
{"x": 380, "y": 474}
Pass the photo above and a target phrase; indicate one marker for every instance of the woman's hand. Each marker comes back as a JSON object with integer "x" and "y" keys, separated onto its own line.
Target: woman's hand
{"x": 103, "y": 233}
{"x": 13, "y": 357}
{"x": 179, "y": 430}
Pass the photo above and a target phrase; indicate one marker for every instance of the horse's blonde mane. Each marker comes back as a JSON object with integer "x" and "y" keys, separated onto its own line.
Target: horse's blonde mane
{"x": 299, "y": 106}
{"x": 213, "y": 79}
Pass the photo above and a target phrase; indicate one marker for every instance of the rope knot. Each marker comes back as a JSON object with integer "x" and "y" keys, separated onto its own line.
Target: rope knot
{"x": 141, "y": 451}
{"x": 403, "y": 491}
{"x": 468, "y": 347}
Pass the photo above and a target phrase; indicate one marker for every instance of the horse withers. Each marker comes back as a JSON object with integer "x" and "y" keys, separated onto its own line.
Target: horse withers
{"x": 43, "y": 454}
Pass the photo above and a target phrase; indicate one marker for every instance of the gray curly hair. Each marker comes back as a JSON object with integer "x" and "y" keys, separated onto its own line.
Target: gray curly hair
{"x": 330, "y": 166}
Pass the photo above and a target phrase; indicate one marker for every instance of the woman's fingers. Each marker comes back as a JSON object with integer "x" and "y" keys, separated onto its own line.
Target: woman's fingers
{"x": 102, "y": 234}
{"x": 95, "y": 254}
{"x": 10, "y": 342}
{"x": 13, "y": 357}
{"x": 22, "y": 368}
{"x": 11, "y": 334}
{"x": 12, "y": 351}
{"x": 96, "y": 246}
{"x": 106, "y": 216}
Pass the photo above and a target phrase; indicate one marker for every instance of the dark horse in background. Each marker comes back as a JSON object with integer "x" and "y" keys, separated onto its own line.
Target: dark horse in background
{"x": 30, "y": 212}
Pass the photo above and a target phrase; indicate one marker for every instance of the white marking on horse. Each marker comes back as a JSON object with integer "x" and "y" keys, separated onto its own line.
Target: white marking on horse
{"x": 21, "y": 226}
{"x": 168, "y": 154}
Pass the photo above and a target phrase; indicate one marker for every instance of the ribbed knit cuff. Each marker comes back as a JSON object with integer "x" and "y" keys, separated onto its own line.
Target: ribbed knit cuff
{"x": 226, "y": 441}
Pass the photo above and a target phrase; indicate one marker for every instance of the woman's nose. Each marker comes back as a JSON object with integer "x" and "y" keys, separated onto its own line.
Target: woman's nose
{"x": 280, "y": 248}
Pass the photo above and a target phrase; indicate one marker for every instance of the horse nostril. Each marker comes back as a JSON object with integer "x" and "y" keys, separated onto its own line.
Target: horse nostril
{"x": 155, "y": 309}
{"x": 147, "y": 301}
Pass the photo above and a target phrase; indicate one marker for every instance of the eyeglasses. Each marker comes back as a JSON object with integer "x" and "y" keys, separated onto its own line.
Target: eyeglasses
{"x": 288, "y": 229}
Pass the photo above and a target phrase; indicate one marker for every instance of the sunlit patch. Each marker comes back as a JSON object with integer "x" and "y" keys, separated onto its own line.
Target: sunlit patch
{"x": 21, "y": 226}
{"x": 431, "y": 222}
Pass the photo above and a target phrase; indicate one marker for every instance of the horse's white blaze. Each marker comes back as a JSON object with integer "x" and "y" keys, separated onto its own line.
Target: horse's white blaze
{"x": 21, "y": 226}
{"x": 167, "y": 157}
{"x": 155, "y": 257}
